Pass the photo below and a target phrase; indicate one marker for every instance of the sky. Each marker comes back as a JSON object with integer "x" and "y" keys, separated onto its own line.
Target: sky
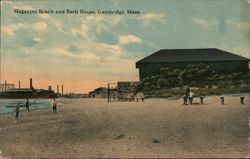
{"x": 84, "y": 52}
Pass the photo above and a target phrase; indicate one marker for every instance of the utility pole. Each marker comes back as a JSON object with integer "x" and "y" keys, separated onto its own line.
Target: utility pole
{"x": 5, "y": 86}
{"x": 108, "y": 89}
{"x": 57, "y": 89}
{"x": 62, "y": 89}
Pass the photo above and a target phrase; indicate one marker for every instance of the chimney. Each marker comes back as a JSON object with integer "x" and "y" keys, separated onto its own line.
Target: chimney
{"x": 57, "y": 91}
{"x": 31, "y": 85}
{"x": 62, "y": 89}
{"x": 19, "y": 84}
{"x": 50, "y": 88}
{"x": 5, "y": 85}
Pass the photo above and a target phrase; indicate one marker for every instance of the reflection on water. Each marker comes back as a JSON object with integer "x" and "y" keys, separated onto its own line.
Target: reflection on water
{"x": 6, "y": 105}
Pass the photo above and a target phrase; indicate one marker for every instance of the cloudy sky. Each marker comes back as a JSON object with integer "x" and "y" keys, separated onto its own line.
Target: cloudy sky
{"x": 86, "y": 51}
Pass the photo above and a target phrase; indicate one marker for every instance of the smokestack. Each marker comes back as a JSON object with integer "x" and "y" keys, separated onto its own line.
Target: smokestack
{"x": 62, "y": 89}
{"x": 5, "y": 85}
{"x": 31, "y": 85}
{"x": 57, "y": 91}
{"x": 19, "y": 84}
{"x": 50, "y": 88}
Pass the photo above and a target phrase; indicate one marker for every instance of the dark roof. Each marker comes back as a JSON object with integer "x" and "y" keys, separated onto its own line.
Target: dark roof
{"x": 99, "y": 90}
{"x": 190, "y": 55}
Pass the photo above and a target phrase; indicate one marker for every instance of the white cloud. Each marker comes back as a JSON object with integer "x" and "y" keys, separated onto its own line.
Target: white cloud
{"x": 84, "y": 31}
{"x": 95, "y": 25}
{"x": 202, "y": 22}
{"x": 60, "y": 51}
{"x": 10, "y": 29}
{"x": 44, "y": 16}
{"x": 126, "y": 39}
{"x": 19, "y": 5}
{"x": 37, "y": 39}
{"x": 243, "y": 25}
{"x": 88, "y": 27}
{"x": 57, "y": 23}
{"x": 40, "y": 26}
{"x": 6, "y": 2}
{"x": 113, "y": 49}
{"x": 239, "y": 25}
{"x": 84, "y": 55}
{"x": 149, "y": 18}
{"x": 89, "y": 56}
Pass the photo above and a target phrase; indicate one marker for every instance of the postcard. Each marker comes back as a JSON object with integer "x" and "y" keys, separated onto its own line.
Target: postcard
{"x": 125, "y": 79}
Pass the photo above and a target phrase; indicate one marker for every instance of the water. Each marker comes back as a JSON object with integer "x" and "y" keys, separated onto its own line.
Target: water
{"x": 237, "y": 94}
{"x": 6, "y": 105}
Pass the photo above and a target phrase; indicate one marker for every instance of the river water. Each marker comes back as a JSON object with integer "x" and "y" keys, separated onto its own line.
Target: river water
{"x": 6, "y": 105}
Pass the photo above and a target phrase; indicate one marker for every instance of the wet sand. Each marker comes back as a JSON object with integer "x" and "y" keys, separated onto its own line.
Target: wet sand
{"x": 89, "y": 128}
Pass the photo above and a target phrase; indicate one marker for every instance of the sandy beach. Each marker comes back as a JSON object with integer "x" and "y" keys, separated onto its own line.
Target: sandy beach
{"x": 93, "y": 128}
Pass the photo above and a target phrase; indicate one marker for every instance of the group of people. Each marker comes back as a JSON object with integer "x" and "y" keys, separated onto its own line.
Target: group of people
{"x": 27, "y": 108}
{"x": 131, "y": 96}
{"x": 187, "y": 96}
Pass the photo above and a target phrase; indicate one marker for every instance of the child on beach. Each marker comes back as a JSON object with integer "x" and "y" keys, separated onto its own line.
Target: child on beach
{"x": 54, "y": 106}
{"x": 27, "y": 106}
{"x": 184, "y": 99}
{"x": 17, "y": 109}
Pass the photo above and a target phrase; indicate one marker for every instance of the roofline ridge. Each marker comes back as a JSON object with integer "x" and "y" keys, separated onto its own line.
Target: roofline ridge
{"x": 160, "y": 51}
{"x": 192, "y": 49}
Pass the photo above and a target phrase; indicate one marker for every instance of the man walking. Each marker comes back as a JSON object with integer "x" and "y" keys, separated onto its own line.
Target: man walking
{"x": 54, "y": 107}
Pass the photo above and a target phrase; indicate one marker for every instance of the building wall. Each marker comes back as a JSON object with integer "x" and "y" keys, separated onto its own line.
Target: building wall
{"x": 6, "y": 87}
{"x": 98, "y": 95}
{"x": 147, "y": 70}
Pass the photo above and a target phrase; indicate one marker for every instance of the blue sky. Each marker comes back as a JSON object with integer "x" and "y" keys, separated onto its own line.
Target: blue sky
{"x": 86, "y": 51}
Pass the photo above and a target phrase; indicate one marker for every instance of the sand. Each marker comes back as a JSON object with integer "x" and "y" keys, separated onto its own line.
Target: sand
{"x": 154, "y": 128}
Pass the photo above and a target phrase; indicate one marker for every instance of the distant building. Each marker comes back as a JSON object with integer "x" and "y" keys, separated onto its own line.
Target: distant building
{"x": 74, "y": 95}
{"x": 11, "y": 92}
{"x": 18, "y": 93}
{"x": 127, "y": 86}
{"x": 219, "y": 60}
{"x": 127, "y": 90}
{"x": 100, "y": 92}
{"x": 6, "y": 87}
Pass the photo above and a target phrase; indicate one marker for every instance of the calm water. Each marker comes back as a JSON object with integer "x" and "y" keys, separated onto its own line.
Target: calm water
{"x": 6, "y": 105}
{"x": 239, "y": 94}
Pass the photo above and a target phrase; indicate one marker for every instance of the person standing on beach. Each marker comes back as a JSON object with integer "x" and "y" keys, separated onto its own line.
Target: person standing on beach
{"x": 184, "y": 99}
{"x": 54, "y": 107}
{"x": 191, "y": 95}
{"x": 17, "y": 109}
{"x": 186, "y": 94}
{"x": 27, "y": 106}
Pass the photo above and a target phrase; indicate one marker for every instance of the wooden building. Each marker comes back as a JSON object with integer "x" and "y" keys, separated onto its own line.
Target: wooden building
{"x": 219, "y": 60}
{"x": 100, "y": 92}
